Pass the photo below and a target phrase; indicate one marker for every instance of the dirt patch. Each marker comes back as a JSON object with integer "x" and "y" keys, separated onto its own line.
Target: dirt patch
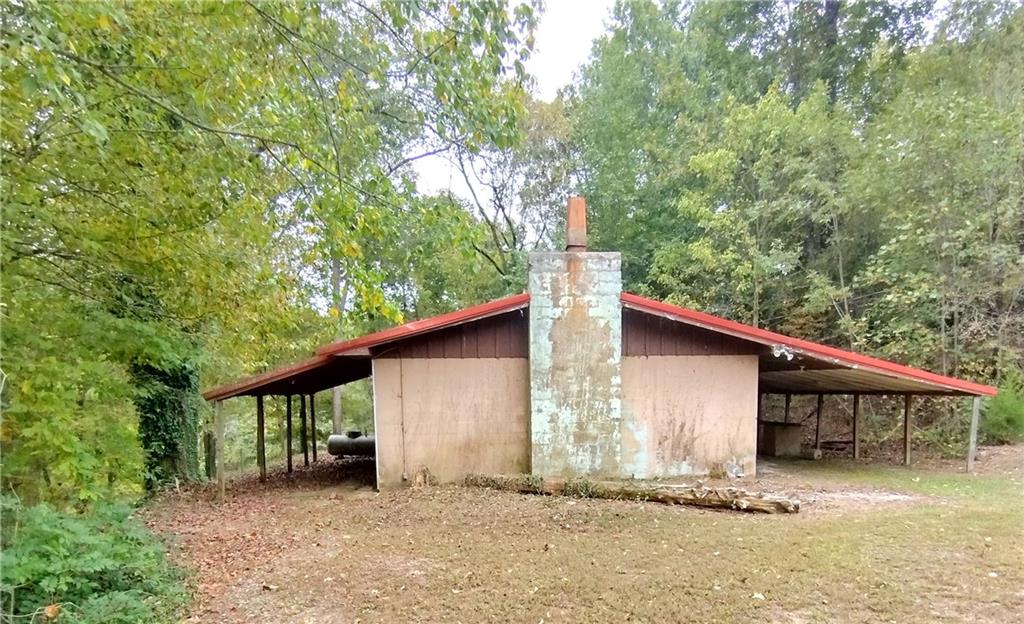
{"x": 798, "y": 480}
{"x": 1003, "y": 461}
{"x": 321, "y": 546}
{"x": 1006, "y": 461}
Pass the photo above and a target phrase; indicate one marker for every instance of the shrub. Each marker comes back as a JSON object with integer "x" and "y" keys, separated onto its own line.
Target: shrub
{"x": 103, "y": 566}
{"x": 1004, "y": 415}
{"x": 581, "y": 487}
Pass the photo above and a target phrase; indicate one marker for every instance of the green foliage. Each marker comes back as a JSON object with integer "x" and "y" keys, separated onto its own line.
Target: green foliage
{"x": 69, "y": 432}
{"x": 826, "y": 170}
{"x": 1003, "y": 422}
{"x": 100, "y": 567}
{"x": 179, "y": 182}
{"x": 168, "y": 421}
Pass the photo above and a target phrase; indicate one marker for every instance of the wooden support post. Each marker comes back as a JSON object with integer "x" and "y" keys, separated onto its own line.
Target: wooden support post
{"x": 785, "y": 414}
{"x": 312, "y": 425}
{"x": 261, "y": 438}
{"x": 288, "y": 432}
{"x": 856, "y": 426}
{"x": 907, "y": 426}
{"x": 210, "y": 450}
{"x": 817, "y": 422}
{"x": 218, "y": 418}
{"x": 972, "y": 443}
{"x": 304, "y": 433}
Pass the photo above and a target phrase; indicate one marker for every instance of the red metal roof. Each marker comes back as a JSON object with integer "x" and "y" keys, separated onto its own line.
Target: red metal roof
{"x": 325, "y": 361}
{"x": 472, "y": 313}
{"x": 813, "y": 349}
{"x": 245, "y": 385}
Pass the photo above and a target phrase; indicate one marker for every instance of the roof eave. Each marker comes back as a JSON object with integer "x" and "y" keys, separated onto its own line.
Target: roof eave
{"x": 413, "y": 328}
{"x": 361, "y": 346}
{"x": 804, "y": 347}
{"x": 240, "y": 387}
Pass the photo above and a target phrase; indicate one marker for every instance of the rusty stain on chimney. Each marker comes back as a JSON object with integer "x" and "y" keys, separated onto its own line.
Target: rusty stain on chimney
{"x": 576, "y": 221}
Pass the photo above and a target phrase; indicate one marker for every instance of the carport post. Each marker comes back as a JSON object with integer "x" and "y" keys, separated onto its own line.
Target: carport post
{"x": 218, "y": 419}
{"x": 312, "y": 424}
{"x": 856, "y": 426}
{"x": 817, "y": 423}
{"x": 906, "y": 430}
{"x": 288, "y": 432}
{"x": 305, "y": 436}
{"x": 972, "y": 444}
{"x": 785, "y": 414}
{"x": 261, "y": 440}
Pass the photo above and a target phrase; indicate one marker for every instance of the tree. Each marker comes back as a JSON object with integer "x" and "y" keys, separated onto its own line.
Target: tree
{"x": 946, "y": 287}
{"x": 216, "y": 159}
{"x": 517, "y": 193}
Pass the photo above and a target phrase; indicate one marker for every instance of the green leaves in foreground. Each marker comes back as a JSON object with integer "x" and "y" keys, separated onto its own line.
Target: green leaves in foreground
{"x": 101, "y": 567}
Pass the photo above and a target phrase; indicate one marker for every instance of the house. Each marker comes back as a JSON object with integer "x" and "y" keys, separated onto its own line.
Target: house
{"x": 577, "y": 377}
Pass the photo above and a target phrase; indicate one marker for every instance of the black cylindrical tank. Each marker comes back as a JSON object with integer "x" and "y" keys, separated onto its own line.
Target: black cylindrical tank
{"x": 352, "y": 443}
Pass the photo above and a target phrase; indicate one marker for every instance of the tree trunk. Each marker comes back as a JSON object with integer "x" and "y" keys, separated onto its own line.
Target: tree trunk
{"x": 694, "y": 495}
{"x": 339, "y": 297}
{"x": 830, "y": 38}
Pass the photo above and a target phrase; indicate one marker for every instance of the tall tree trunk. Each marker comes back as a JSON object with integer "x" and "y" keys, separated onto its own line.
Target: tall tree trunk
{"x": 838, "y": 242}
{"x": 756, "y": 322}
{"x": 830, "y": 38}
{"x": 339, "y": 297}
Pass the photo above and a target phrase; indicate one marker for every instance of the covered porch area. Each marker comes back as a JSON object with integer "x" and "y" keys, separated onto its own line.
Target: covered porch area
{"x": 295, "y": 386}
{"x": 790, "y": 367}
{"x": 796, "y": 396}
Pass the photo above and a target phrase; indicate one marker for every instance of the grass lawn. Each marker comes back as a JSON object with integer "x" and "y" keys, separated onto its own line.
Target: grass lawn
{"x": 871, "y": 544}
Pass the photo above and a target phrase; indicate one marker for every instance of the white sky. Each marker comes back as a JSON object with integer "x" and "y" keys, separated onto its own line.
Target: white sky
{"x": 562, "y": 43}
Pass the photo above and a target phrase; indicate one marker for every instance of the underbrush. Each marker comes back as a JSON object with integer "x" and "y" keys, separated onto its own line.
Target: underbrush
{"x": 102, "y": 566}
{"x": 1004, "y": 414}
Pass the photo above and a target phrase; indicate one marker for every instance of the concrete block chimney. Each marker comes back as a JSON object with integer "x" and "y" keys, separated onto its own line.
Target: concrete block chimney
{"x": 575, "y": 356}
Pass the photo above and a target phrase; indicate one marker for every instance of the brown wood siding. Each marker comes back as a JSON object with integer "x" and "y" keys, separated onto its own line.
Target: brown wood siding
{"x": 502, "y": 336}
{"x": 647, "y": 335}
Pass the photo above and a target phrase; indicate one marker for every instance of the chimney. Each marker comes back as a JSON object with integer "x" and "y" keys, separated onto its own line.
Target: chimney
{"x": 575, "y": 356}
{"x": 576, "y": 225}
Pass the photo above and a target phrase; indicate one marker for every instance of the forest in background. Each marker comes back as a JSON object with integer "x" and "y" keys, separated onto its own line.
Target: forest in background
{"x": 197, "y": 192}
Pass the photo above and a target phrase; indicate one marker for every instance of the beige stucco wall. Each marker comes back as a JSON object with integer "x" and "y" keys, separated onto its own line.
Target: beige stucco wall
{"x": 452, "y": 416}
{"x": 689, "y": 415}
